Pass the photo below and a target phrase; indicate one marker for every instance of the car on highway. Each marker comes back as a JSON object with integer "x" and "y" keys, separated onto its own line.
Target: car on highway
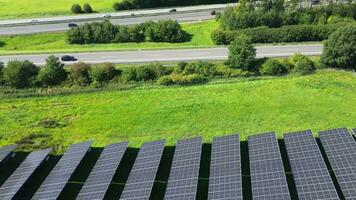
{"x": 106, "y": 15}
{"x": 68, "y": 58}
{"x": 173, "y": 10}
{"x": 34, "y": 20}
{"x": 72, "y": 25}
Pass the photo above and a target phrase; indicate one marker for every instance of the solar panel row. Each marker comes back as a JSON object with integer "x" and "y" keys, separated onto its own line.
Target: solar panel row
{"x": 5, "y": 151}
{"x": 100, "y": 177}
{"x": 268, "y": 179}
{"x": 340, "y": 148}
{"x": 59, "y": 176}
{"x": 225, "y": 182}
{"x": 183, "y": 177}
{"x": 143, "y": 173}
{"x": 14, "y": 183}
{"x": 310, "y": 174}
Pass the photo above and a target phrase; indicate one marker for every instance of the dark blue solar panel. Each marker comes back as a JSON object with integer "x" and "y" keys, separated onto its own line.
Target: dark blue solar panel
{"x": 340, "y": 148}
{"x": 143, "y": 173}
{"x": 225, "y": 180}
{"x": 100, "y": 177}
{"x": 184, "y": 174}
{"x": 14, "y": 183}
{"x": 60, "y": 175}
{"x": 310, "y": 174}
{"x": 268, "y": 178}
{"x": 5, "y": 151}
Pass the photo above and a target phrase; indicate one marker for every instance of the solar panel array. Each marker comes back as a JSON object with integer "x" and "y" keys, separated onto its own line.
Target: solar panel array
{"x": 311, "y": 176}
{"x": 225, "y": 181}
{"x": 5, "y": 151}
{"x": 268, "y": 178}
{"x": 354, "y": 130}
{"x": 142, "y": 176}
{"x": 59, "y": 176}
{"x": 184, "y": 174}
{"x": 103, "y": 172}
{"x": 340, "y": 148}
{"x": 14, "y": 183}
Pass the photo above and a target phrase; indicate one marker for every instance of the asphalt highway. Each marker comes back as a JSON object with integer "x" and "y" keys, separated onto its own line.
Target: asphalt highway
{"x": 174, "y": 55}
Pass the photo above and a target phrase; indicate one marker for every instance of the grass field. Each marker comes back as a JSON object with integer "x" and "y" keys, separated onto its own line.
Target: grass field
{"x": 41, "y": 8}
{"x": 55, "y": 42}
{"x": 326, "y": 99}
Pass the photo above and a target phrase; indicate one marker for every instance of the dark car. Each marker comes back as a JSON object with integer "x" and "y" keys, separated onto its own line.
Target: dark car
{"x": 72, "y": 25}
{"x": 68, "y": 58}
{"x": 173, "y": 10}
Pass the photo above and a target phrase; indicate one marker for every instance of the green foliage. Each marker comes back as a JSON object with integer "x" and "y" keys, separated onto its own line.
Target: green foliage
{"x": 242, "y": 54}
{"x": 273, "y": 67}
{"x": 20, "y": 74}
{"x": 338, "y": 19}
{"x": 53, "y": 73}
{"x": 179, "y": 79}
{"x": 340, "y": 49}
{"x": 106, "y": 32}
{"x": 1, "y": 72}
{"x": 302, "y": 64}
{"x": 104, "y": 73}
{"x": 76, "y": 9}
{"x": 87, "y": 8}
{"x": 295, "y": 33}
{"x": 164, "y": 31}
{"x": 203, "y": 68}
{"x": 79, "y": 74}
{"x": 146, "y": 73}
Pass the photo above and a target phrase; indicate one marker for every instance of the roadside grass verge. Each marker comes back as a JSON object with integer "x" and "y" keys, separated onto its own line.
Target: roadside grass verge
{"x": 11, "y": 9}
{"x": 56, "y": 42}
{"x": 323, "y": 100}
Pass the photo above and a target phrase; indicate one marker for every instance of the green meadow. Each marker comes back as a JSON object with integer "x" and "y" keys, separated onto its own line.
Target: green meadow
{"x": 56, "y": 42}
{"x": 323, "y": 100}
{"x": 41, "y": 8}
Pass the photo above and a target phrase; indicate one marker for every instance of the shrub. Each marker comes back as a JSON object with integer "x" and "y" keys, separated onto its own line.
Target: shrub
{"x": 340, "y": 49}
{"x": 178, "y": 79}
{"x": 20, "y": 74}
{"x": 338, "y": 19}
{"x": 302, "y": 64}
{"x": 87, "y": 8}
{"x": 104, "y": 73}
{"x": 146, "y": 73}
{"x": 1, "y": 72}
{"x": 295, "y": 33}
{"x": 53, "y": 73}
{"x": 124, "y": 5}
{"x": 242, "y": 54}
{"x": 273, "y": 67}
{"x": 202, "y": 68}
{"x": 76, "y": 9}
{"x": 79, "y": 74}
{"x": 164, "y": 31}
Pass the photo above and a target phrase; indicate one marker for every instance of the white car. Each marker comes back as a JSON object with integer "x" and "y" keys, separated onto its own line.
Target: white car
{"x": 106, "y": 15}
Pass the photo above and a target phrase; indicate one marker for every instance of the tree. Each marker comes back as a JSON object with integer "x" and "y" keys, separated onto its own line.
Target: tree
{"x": 164, "y": 31}
{"x": 340, "y": 48}
{"x": 76, "y": 9}
{"x": 242, "y": 54}
{"x": 53, "y": 73}
{"x": 20, "y": 74}
{"x": 87, "y": 8}
{"x": 104, "y": 73}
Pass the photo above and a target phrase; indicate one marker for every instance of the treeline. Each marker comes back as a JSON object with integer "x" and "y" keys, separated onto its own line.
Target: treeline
{"x": 275, "y": 15}
{"x": 106, "y": 32}
{"x": 294, "y": 33}
{"x": 138, "y": 4}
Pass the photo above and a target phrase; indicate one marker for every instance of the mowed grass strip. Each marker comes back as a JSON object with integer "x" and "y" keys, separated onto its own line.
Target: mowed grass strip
{"x": 56, "y": 42}
{"x": 10, "y": 9}
{"x": 326, "y": 99}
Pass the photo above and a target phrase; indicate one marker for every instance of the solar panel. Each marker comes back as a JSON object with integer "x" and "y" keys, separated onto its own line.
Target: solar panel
{"x": 14, "y": 183}
{"x": 103, "y": 172}
{"x": 268, "y": 178}
{"x": 354, "y": 130}
{"x": 59, "y": 176}
{"x": 340, "y": 148}
{"x": 5, "y": 151}
{"x": 310, "y": 174}
{"x": 184, "y": 174}
{"x": 143, "y": 172}
{"x": 225, "y": 181}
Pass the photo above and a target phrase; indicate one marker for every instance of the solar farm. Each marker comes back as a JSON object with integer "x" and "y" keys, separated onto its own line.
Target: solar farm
{"x": 299, "y": 166}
